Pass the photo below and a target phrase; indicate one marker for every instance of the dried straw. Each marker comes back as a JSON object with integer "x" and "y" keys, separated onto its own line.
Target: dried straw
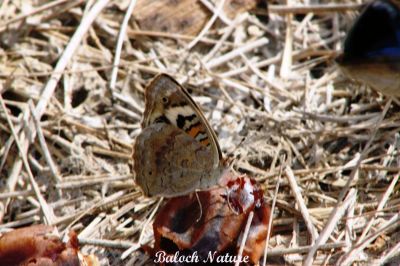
{"x": 271, "y": 91}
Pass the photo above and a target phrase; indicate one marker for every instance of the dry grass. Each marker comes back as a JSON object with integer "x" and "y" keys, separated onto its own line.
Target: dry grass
{"x": 272, "y": 93}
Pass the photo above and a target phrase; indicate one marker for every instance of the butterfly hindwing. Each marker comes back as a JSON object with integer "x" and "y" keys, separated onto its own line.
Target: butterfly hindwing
{"x": 162, "y": 166}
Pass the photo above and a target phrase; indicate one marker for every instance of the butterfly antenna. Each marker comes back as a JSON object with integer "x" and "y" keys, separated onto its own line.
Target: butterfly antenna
{"x": 228, "y": 195}
{"x": 200, "y": 206}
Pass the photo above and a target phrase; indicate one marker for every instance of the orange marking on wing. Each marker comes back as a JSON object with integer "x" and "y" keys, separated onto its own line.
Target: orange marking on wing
{"x": 205, "y": 142}
{"x": 194, "y": 131}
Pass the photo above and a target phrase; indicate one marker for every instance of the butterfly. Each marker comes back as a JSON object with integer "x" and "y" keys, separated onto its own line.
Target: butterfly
{"x": 371, "y": 51}
{"x": 177, "y": 151}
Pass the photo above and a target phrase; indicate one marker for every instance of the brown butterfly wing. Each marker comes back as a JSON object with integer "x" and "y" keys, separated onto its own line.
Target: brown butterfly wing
{"x": 168, "y": 162}
{"x": 167, "y": 100}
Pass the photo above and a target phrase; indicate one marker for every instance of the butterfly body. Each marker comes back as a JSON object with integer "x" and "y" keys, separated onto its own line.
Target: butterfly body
{"x": 177, "y": 151}
{"x": 372, "y": 48}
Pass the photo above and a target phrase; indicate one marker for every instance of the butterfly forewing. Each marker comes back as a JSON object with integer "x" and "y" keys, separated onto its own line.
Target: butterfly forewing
{"x": 167, "y": 101}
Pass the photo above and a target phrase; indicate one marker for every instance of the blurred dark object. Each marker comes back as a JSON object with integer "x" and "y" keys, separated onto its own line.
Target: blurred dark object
{"x": 262, "y": 8}
{"x": 37, "y": 245}
{"x": 372, "y": 48}
{"x": 184, "y": 16}
{"x": 217, "y": 230}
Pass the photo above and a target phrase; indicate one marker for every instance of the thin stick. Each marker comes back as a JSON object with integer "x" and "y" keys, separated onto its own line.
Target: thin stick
{"x": 381, "y": 204}
{"x": 106, "y": 243}
{"x": 127, "y": 252}
{"x": 349, "y": 257}
{"x": 240, "y": 19}
{"x": 245, "y": 235}
{"x": 271, "y": 217}
{"x": 286, "y": 66}
{"x": 334, "y": 214}
{"x": 45, "y": 149}
{"x": 237, "y": 52}
{"x": 50, "y": 87}
{"x": 35, "y": 11}
{"x": 329, "y": 227}
{"x": 299, "y": 199}
{"x": 221, "y": 15}
{"x": 48, "y": 215}
{"x": 69, "y": 51}
{"x": 303, "y": 249}
{"x": 316, "y": 9}
{"x": 118, "y": 48}
{"x": 207, "y": 26}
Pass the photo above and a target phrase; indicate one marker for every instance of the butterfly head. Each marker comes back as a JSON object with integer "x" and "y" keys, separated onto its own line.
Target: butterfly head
{"x": 160, "y": 95}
